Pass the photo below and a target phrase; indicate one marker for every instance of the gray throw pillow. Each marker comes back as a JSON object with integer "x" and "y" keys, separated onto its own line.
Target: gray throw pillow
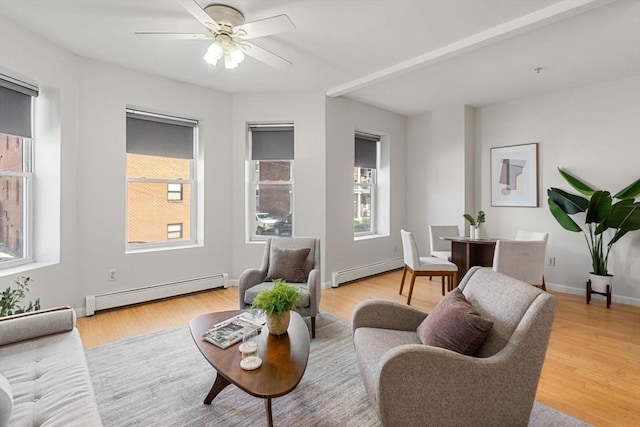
{"x": 455, "y": 325}
{"x": 288, "y": 264}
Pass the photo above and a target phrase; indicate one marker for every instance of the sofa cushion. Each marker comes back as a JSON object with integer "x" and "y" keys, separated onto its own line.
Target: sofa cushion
{"x": 288, "y": 264}
{"x": 455, "y": 325}
{"x": 6, "y": 401}
{"x": 50, "y": 381}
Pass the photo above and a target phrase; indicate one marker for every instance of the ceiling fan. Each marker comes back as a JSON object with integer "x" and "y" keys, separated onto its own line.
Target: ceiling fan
{"x": 229, "y": 32}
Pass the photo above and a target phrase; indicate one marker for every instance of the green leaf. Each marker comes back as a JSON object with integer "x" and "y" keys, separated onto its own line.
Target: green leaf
{"x": 617, "y": 236}
{"x": 625, "y": 215}
{"x": 561, "y": 216}
{"x": 578, "y": 185}
{"x": 569, "y": 203}
{"x": 629, "y": 192}
{"x": 599, "y": 207}
{"x": 470, "y": 219}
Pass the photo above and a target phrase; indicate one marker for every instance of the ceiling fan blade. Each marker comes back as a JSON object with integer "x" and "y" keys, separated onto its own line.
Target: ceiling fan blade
{"x": 192, "y": 7}
{"x": 267, "y": 57}
{"x": 266, "y": 27}
{"x": 172, "y": 36}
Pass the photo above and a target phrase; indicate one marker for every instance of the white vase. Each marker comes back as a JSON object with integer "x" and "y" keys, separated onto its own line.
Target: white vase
{"x": 475, "y": 232}
{"x": 599, "y": 283}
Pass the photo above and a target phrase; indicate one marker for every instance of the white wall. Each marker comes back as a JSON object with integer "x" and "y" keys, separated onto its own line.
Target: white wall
{"x": 105, "y": 92}
{"x": 306, "y": 111}
{"x": 343, "y": 118}
{"x": 437, "y": 153}
{"x": 594, "y": 132}
{"x": 55, "y": 71}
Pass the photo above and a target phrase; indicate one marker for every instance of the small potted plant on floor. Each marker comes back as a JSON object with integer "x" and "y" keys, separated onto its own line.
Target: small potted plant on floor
{"x": 10, "y": 297}
{"x": 277, "y": 304}
{"x": 601, "y": 214}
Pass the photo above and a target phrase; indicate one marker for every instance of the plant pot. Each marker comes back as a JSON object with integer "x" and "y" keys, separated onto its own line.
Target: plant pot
{"x": 475, "y": 232}
{"x": 599, "y": 283}
{"x": 278, "y": 323}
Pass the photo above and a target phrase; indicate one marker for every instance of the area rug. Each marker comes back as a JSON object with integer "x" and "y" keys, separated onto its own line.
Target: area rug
{"x": 161, "y": 379}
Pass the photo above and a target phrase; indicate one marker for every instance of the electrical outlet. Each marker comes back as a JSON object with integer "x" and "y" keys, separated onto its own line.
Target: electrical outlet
{"x": 112, "y": 274}
{"x": 552, "y": 261}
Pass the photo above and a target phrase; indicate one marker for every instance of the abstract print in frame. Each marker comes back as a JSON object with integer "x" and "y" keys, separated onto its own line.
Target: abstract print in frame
{"x": 514, "y": 175}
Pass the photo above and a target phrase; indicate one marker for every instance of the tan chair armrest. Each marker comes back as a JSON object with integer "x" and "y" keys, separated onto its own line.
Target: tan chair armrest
{"x": 25, "y": 326}
{"x": 387, "y": 315}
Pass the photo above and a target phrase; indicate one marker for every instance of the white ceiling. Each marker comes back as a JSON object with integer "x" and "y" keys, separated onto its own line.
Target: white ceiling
{"x": 408, "y": 56}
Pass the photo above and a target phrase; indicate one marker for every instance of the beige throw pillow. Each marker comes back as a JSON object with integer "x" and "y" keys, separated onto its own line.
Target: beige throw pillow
{"x": 288, "y": 264}
{"x": 455, "y": 325}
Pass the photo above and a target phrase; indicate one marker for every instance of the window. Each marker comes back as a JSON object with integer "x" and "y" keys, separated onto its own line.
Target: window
{"x": 174, "y": 192}
{"x": 174, "y": 231}
{"x": 364, "y": 183}
{"x": 16, "y": 174}
{"x": 270, "y": 181}
{"x": 161, "y": 188}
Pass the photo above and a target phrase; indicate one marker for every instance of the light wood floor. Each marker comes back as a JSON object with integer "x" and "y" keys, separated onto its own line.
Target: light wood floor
{"x": 591, "y": 371}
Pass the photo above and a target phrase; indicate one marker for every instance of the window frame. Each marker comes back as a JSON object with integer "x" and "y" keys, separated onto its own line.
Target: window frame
{"x": 192, "y": 181}
{"x": 253, "y": 184}
{"x": 27, "y": 174}
{"x": 180, "y": 192}
{"x": 371, "y": 185}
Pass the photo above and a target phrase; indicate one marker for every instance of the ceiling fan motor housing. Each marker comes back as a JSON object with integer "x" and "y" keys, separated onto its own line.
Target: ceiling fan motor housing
{"x": 224, "y": 15}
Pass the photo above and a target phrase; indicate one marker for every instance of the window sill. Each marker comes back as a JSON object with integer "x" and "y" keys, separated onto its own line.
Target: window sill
{"x": 369, "y": 237}
{"x": 25, "y": 268}
{"x": 190, "y": 245}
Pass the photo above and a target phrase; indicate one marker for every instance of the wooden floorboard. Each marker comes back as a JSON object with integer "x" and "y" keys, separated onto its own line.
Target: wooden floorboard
{"x": 591, "y": 371}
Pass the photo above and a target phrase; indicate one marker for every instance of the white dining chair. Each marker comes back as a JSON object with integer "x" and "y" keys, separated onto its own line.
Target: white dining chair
{"x": 442, "y": 248}
{"x": 522, "y": 260}
{"x": 534, "y": 235}
{"x": 424, "y": 266}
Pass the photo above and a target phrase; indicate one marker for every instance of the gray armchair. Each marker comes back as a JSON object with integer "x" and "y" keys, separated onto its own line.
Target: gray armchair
{"x": 412, "y": 384}
{"x": 255, "y": 280}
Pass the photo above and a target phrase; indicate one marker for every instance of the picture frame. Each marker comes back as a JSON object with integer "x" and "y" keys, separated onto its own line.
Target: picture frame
{"x": 514, "y": 175}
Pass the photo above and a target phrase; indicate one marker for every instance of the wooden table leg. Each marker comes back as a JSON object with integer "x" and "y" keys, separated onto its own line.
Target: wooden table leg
{"x": 219, "y": 385}
{"x": 267, "y": 406}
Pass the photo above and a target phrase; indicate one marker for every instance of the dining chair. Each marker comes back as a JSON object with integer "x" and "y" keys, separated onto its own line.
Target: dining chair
{"x": 442, "y": 248}
{"x": 424, "y": 266}
{"x": 533, "y": 235}
{"x": 522, "y": 260}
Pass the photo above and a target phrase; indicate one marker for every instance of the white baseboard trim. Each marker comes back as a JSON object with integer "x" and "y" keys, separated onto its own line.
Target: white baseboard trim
{"x": 124, "y": 297}
{"x": 348, "y": 275}
{"x": 583, "y": 292}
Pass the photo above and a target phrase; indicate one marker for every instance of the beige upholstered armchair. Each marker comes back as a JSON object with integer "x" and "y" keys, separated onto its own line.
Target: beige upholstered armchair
{"x": 413, "y": 384}
{"x": 297, "y": 261}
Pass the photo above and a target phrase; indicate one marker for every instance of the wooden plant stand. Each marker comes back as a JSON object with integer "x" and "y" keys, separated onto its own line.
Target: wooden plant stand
{"x": 606, "y": 294}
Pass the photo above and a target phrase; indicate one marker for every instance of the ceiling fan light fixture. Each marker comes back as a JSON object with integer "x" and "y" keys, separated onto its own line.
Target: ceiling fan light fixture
{"x": 236, "y": 54}
{"x": 229, "y": 63}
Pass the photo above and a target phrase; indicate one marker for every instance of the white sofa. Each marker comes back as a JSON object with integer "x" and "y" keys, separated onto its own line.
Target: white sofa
{"x": 46, "y": 379}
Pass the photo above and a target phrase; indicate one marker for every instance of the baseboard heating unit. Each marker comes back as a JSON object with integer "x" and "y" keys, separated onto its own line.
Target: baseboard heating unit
{"x": 153, "y": 292}
{"x": 338, "y": 277}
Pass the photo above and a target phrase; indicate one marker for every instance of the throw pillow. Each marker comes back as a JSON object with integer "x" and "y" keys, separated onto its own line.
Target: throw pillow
{"x": 288, "y": 264}
{"x": 6, "y": 401}
{"x": 455, "y": 325}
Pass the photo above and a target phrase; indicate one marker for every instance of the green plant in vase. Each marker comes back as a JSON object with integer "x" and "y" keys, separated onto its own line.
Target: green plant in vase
{"x": 11, "y": 297}
{"x": 474, "y": 223}
{"x": 619, "y": 213}
{"x": 277, "y": 304}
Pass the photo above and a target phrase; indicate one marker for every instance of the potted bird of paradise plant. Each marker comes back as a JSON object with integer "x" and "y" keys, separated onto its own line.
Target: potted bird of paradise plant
{"x": 619, "y": 213}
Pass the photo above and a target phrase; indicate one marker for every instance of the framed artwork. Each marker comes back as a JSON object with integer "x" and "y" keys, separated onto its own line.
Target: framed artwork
{"x": 514, "y": 175}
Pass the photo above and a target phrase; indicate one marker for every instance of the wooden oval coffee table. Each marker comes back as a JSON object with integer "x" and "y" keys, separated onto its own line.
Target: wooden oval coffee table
{"x": 284, "y": 359}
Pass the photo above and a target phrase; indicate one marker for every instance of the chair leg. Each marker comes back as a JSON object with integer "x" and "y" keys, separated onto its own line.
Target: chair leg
{"x": 313, "y": 327}
{"x": 544, "y": 287}
{"x": 404, "y": 273}
{"x": 442, "y": 277}
{"x": 413, "y": 280}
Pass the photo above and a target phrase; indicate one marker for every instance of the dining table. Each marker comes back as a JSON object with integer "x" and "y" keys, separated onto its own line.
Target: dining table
{"x": 467, "y": 252}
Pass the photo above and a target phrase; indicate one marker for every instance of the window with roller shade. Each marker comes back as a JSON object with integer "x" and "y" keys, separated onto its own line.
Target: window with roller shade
{"x": 364, "y": 183}
{"x": 16, "y": 171}
{"x": 270, "y": 183}
{"x": 161, "y": 185}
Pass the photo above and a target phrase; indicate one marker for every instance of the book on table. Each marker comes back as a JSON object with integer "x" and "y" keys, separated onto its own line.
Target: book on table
{"x": 231, "y": 331}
